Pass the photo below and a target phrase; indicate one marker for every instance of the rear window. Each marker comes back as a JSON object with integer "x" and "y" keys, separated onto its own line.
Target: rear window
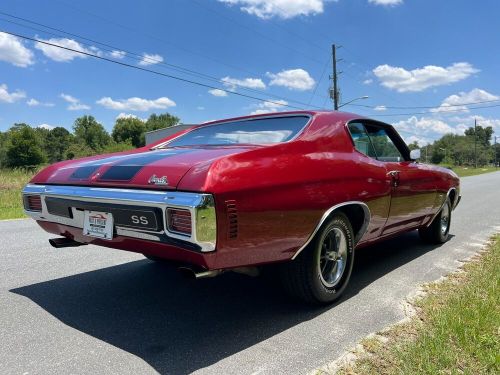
{"x": 258, "y": 131}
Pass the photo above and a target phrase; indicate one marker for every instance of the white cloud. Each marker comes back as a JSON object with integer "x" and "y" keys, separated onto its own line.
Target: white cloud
{"x": 63, "y": 55}
{"x": 46, "y": 126}
{"x": 458, "y": 102}
{"x": 368, "y": 81}
{"x": 386, "y": 2}
{"x": 200, "y": 108}
{"x": 35, "y": 103}
{"x": 136, "y": 104}
{"x": 427, "y": 126}
{"x": 117, "y": 54}
{"x": 13, "y": 51}
{"x": 217, "y": 92}
{"x": 267, "y": 107}
{"x": 465, "y": 122}
{"x": 10, "y": 97}
{"x": 380, "y": 108}
{"x": 279, "y": 8}
{"x": 293, "y": 79}
{"x": 150, "y": 59}
{"x": 74, "y": 103}
{"x": 251, "y": 83}
{"x": 402, "y": 80}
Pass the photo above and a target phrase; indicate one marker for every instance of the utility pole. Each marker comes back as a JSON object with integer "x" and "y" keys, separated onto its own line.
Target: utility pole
{"x": 495, "y": 151}
{"x": 334, "y": 94}
{"x": 475, "y": 143}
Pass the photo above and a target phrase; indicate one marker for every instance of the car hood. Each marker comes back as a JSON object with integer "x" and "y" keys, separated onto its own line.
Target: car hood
{"x": 152, "y": 169}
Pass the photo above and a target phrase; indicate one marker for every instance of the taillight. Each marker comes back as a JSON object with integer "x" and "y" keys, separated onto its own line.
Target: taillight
{"x": 179, "y": 221}
{"x": 32, "y": 203}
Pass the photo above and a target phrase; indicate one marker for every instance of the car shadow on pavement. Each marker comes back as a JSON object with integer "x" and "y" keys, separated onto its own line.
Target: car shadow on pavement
{"x": 179, "y": 326}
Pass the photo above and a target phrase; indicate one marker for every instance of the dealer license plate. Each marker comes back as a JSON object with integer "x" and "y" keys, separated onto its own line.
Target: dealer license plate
{"x": 98, "y": 224}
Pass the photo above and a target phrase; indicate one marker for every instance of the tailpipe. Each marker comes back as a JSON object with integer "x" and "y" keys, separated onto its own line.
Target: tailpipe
{"x": 64, "y": 242}
{"x": 192, "y": 274}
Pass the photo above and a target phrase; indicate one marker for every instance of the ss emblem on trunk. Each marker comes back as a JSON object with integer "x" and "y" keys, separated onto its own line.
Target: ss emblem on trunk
{"x": 139, "y": 220}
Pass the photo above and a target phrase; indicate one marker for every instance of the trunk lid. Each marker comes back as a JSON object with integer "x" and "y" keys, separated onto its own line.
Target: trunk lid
{"x": 152, "y": 169}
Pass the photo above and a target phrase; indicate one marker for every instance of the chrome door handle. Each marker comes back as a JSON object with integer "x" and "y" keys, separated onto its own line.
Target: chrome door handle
{"x": 394, "y": 177}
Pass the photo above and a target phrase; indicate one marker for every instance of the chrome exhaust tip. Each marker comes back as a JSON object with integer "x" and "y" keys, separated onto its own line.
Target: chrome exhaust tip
{"x": 192, "y": 274}
{"x": 64, "y": 242}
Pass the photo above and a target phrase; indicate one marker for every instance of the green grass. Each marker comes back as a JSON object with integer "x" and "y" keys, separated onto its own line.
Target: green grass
{"x": 456, "y": 329}
{"x": 469, "y": 171}
{"x": 11, "y": 183}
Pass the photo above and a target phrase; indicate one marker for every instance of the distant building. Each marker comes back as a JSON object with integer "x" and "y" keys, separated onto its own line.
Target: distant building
{"x": 156, "y": 135}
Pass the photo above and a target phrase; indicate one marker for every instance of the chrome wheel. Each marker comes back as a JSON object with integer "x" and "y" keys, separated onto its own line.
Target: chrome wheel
{"x": 445, "y": 219}
{"x": 333, "y": 257}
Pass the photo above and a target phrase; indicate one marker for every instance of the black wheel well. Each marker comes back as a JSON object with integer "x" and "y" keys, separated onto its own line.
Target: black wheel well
{"x": 357, "y": 216}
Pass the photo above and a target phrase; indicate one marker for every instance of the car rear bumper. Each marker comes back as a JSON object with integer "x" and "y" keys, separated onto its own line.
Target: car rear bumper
{"x": 65, "y": 206}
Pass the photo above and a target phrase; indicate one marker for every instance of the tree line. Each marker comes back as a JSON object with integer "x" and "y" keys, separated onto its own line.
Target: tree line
{"x": 474, "y": 148}
{"x": 25, "y": 146}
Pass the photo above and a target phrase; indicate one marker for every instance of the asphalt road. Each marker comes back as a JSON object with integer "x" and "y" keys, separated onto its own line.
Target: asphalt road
{"x": 95, "y": 310}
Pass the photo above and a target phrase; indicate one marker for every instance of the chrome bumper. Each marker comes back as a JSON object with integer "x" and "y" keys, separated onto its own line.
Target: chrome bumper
{"x": 201, "y": 206}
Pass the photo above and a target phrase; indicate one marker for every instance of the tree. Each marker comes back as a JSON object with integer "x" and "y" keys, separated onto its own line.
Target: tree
{"x": 165, "y": 120}
{"x": 24, "y": 147}
{"x": 413, "y": 146}
{"x": 57, "y": 142}
{"x": 129, "y": 130}
{"x": 91, "y": 133}
{"x": 483, "y": 134}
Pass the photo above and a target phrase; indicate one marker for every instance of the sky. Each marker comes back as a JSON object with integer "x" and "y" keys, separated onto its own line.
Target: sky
{"x": 420, "y": 62}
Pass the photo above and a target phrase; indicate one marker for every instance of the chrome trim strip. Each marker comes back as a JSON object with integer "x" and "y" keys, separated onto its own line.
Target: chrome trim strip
{"x": 325, "y": 216}
{"x": 442, "y": 205}
{"x": 149, "y": 198}
{"x": 277, "y": 115}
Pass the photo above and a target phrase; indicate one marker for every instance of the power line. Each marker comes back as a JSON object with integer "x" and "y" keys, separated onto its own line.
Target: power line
{"x": 148, "y": 70}
{"x": 140, "y": 57}
{"x": 264, "y": 36}
{"x": 425, "y": 107}
{"x": 423, "y": 113}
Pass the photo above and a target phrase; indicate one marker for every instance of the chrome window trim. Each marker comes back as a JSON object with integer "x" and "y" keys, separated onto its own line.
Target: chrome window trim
{"x": 309, "y": 116}
{"x": 149, "y": 198}
{"x": 325, "y": 216}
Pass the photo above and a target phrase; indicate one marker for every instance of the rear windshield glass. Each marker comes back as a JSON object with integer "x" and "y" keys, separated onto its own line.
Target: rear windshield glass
{"x": 259, "y": 131}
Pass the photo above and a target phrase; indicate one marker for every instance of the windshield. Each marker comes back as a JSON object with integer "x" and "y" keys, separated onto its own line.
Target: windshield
{"x": 258, "y": 131}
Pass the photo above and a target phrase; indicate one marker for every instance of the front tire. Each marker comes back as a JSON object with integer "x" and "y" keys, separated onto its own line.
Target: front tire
{"x": 439, "y": 230}
{"x": 322, "y": 271}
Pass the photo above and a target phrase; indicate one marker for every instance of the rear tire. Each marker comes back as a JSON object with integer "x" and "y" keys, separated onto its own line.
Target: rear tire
{"x": 439, "y": 230}
{"x": 320, "y": 274}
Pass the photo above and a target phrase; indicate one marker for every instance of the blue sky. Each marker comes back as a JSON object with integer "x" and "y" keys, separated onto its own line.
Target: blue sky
{"x": 400, "y": 53}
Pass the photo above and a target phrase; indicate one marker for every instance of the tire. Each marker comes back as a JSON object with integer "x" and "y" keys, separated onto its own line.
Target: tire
{"x": 320, "y": 274}
{"x": 439, "y": 230}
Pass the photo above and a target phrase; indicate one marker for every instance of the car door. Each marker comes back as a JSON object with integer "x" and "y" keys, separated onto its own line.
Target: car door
{"x": 413, "y": 188}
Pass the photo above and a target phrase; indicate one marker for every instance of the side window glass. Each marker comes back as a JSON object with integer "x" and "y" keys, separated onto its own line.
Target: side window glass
{"x": 383, "y": 145}
{"x": 361, "y": 140}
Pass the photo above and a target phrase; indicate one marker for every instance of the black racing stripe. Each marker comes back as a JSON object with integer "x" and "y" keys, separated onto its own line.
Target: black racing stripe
{"x": 126, "y": 169}
{"x": 83, "y": 173}
{"x": 121, "y": 172}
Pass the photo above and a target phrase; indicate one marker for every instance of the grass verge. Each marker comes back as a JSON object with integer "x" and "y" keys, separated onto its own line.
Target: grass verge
{"x": 466, "y": 171}
{"x": 456, "y": 329}
{"x": 11, "y": 183}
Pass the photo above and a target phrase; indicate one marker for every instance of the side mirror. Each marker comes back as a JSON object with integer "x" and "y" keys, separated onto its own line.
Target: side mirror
{"x": 415, "y": 154}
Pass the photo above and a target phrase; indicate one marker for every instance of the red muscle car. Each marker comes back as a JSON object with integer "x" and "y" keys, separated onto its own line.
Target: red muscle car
{"x": 301, "y": 190}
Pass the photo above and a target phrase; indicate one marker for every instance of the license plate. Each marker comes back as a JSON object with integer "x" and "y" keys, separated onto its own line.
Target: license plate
{"x": 98, "y": 224}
